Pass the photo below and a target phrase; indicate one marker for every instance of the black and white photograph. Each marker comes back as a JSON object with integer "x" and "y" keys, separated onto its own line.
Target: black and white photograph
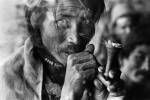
{"x": 74, "y": 49}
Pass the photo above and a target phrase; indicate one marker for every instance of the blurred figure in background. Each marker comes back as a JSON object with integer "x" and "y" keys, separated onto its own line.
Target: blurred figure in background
{"x": 135, "y": 65}
{"x": 121, "y": 20}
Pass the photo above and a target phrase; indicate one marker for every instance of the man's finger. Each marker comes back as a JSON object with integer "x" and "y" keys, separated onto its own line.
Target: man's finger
{"x": 88, "y": 65}
{"x": 101, "y": 69}
{"x": 88, "y": 74}
{"x": 114, "y": 74}
{"x": 103, "y": 80}
{"x": 98, "y": 84}
{"x": 111, "y": 74}
{"x": 90, "y": 48}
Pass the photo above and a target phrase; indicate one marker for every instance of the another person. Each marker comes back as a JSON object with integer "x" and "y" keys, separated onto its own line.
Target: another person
{"x": 121, "y": 21}
{"x": 135, "y": 61}
{"x": 134, "y": 67}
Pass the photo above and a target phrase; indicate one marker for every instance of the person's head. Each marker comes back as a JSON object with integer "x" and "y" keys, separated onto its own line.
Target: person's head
{"x": 135, "y": 58}
{"x": 64, "y": 28}
{"x": 123, "y": 19}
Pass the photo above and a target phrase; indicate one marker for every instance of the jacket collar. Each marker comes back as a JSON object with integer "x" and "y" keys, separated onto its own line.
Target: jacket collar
{"x": 33, "y": 69}
{"x": 42, "y": 74}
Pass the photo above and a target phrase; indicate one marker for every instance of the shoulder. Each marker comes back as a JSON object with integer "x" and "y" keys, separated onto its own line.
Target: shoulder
{"x": 10, "y": 74}
{"x": 13, "y": 62}
{"x": 17, "y": 73}
{"x": 12, "y": 66}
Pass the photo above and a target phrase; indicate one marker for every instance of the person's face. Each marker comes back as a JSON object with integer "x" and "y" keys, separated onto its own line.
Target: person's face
{"x": 123, "y": 26}
{"x": 68, "y": 32}
{"x": 136, "y": 67}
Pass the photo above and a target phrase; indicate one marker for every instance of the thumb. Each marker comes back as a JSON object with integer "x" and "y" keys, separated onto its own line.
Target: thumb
{"x": 90, "y": 48}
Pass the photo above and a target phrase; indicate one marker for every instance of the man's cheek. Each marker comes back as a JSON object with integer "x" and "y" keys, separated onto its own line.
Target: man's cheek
{"x": 127, "y": 68}
{"x": 61, "y": 36}
{"x": 132, "y": 69}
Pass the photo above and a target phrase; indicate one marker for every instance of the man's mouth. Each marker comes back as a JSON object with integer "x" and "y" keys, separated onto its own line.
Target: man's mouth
{"x": 69, "y": 52}
{"x": 71, "y": 49}
{"x": 143, "y": 74}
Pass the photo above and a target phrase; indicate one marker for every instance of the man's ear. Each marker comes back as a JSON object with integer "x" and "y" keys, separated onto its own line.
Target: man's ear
{"x": 31, "y": 3}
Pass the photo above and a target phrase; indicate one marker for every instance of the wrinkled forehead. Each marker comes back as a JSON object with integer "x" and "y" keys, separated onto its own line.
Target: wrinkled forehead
{"x": 72, "y": 8}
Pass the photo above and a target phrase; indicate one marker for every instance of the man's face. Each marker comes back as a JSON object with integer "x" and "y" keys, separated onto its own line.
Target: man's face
{"x": 67, "y": 33}
{"x": 137, "y": 66}
{"x": 123, "y": 27}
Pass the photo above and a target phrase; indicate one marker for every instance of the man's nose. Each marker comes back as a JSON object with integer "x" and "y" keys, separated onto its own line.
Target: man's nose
{"x": 145, "y": 65}
{"x": 73, "y": 38}
{"x": 128, "y": 30}
{"x": 72, "y": 35}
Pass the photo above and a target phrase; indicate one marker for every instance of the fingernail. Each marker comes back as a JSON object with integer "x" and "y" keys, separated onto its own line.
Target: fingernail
{"x": 98, "y": 84}
{"x": 111, "y": 74}
{"x": 100, "y": 69}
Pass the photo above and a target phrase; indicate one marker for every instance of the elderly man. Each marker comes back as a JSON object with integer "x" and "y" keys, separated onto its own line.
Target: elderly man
{"x": 57, "y": 44}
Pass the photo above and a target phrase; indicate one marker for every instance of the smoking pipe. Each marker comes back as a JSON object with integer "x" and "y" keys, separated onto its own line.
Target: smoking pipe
{"x": 113, "y": 49}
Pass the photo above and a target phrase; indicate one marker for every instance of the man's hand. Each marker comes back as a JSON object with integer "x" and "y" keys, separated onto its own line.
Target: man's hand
{"x": 108, "y": 88}
{"x": 81, "y": 68}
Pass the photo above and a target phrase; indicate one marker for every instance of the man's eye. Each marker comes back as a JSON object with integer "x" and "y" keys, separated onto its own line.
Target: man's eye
{"x": 139, "y": 57}
{"x": 87, "y": 36}
{"x": 63, "y": 23}
{"x": 86, "y": 21}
